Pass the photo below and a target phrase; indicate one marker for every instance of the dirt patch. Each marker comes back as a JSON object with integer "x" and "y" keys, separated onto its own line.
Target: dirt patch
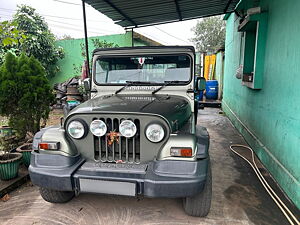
{"x": 55, "y": 117}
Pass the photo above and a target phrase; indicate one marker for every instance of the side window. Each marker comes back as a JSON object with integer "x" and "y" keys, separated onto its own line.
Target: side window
{"x": 254, "y": 44}
{"x": 102, "y": 69}
{"x": 250, "y": 40}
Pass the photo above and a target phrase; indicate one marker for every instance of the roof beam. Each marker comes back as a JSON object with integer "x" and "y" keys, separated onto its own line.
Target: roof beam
{"x": 171, "y": 21}
{"x": 227, "y": 5}
{"x": 178, "y": 10}
{"x": 208, "y": 10}
{"x": 120, "y": 12}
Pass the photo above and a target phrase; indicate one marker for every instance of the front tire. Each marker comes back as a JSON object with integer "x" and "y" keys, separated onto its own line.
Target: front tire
{"x": 56, "y": 196}
{"x": 199, "y": 205}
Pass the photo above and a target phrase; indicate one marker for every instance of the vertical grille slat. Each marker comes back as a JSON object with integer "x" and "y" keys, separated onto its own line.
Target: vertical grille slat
{"x": 97, "y": 148}
{"x": 113, "y": 145}
{"x": 120, "y": 148}
{"x": 106, "y": 150}
{"x": 133, "y": 149}
{"x": 126, "y": 150}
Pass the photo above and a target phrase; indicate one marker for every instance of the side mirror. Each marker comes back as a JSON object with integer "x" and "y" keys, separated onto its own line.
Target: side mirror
{"x": 87, "y": 84}
{"x": 200, "y": 84}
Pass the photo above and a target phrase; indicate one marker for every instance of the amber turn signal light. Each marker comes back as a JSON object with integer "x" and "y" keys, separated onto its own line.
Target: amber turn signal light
{"x": 181, "y": 152}
{"x": 49, "y": 146}
{"x": 186, "y": 152}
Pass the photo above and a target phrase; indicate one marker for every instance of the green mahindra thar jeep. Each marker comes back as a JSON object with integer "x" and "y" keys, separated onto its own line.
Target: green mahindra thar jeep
{"x": 136, "y": 135}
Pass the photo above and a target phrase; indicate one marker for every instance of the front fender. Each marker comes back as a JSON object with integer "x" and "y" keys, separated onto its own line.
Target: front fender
{"x": 202, "y": 138}
{"x": 198, "y": 142}
{"x": 55, "y": 134}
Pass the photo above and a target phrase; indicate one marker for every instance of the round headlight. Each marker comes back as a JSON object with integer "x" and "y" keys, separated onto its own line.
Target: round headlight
{"x": 98, "y": 128}
{"x": 127, "y": 128}
{"x": 76, "y": 129}
{"x": 155, "y": 133}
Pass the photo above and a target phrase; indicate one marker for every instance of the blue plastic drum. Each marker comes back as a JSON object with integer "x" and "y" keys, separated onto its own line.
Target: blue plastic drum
{"x": 199, "y": 96}
{"x": 212, "y": 88}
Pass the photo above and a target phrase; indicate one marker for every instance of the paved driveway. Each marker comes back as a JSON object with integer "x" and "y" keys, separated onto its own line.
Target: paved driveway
{"x": 238, "y": 197}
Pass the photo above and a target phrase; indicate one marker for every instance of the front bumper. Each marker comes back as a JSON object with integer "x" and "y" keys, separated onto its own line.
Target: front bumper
{"x": 165, "y": 178}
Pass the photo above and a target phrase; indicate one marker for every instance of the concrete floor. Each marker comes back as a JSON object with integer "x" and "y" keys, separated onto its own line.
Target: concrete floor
{"x": 238, "y": 197}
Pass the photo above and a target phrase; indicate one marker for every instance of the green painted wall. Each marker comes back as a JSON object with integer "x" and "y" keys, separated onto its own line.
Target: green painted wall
{"x": 73, "y": 53}
{"x": 219, "y": 71}
{"x": 269, "y": 118}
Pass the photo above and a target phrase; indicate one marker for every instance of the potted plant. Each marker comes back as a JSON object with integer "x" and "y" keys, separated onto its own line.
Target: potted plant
{"x": 6, "y": 131}
{"x": 25, "y": 97}
{"x": 9, "y": 162}
{"x": 25, "y": 150}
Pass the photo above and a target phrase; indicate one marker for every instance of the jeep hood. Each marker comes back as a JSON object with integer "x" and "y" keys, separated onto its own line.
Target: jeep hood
{"x": 176, "y": 110}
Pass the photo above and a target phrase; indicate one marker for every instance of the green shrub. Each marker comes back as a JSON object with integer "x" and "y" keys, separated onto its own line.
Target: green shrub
{"x": 25, "y": 93}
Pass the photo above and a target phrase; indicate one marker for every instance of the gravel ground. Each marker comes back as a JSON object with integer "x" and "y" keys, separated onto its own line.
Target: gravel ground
{"x": 238, "y": 197}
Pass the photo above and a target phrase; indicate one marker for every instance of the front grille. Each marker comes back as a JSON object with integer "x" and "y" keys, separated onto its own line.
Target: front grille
{"x": 125, "y": 150}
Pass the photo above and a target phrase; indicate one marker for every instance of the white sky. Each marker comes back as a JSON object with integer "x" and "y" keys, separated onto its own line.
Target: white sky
{"x": 64, "y": 18}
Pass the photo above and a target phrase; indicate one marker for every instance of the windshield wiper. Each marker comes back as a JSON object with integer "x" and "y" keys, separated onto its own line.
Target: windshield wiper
{"x": 130, "y": 83}
{"x": 167, "y": 83}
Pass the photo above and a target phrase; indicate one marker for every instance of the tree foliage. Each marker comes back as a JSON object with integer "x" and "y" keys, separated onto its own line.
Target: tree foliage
{"x": 40, "y": 41}
{"x": 10, "y": 38}
{"x": 97, "y": 43}
{"x": 209, "y": 34}
{"x": 25, "y": 93}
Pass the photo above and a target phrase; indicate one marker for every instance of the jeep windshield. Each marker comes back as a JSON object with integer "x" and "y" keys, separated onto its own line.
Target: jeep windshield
{"x": 155, "y": 69}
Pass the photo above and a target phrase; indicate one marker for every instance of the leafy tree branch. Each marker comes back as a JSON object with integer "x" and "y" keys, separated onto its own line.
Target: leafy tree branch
{"x": 29, "y": 33}
{"x": 209, "y": 34}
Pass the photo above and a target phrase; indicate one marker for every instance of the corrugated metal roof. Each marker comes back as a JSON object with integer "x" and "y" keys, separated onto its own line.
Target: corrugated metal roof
{"x": 138, "y": 13}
